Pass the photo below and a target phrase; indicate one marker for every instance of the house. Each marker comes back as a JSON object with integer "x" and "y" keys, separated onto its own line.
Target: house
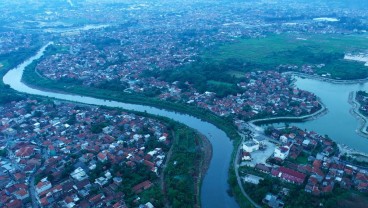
{"x": 252, "y": 179}
{"x": 117, "y": 180}
{"x": 68, "y": 202}
{"x": 14, "y": 204}
{"x": 245, "y": 156}
{"x": 283, "y": 139}
{"x": 21, "y": 194}
{"x": 142, "y": 186}
{"x": 43, "y": 185}
{"x": 147, "y": 205}
{"x": 289, "y": 175}
{"x": 79, "y": 174}
{"x": 263, "y": 168}
{"x": 273, "y": 201}
{"x": 102, "y": 157}
{"x": 101, "y": 181}
{"x": 25, "y": 152}
{"x": 281, "y": 152}
{"x": 94, "y": 200}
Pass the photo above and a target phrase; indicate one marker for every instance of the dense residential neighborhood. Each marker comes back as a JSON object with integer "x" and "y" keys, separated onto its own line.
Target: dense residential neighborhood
{"x": 77, "y": 155}
{"x": 232, "y": 68}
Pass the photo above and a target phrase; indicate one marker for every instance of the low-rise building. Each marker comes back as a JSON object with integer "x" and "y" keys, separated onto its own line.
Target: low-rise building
{"x": 281, "y": 152}
{"x": 43, "y": 185}
{"x": 250, "y": 146}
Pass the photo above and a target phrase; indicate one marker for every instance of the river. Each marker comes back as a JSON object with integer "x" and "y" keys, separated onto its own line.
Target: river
{"x": 339, "y": 124}
{"x": 214, "y": 187}
{"x": 76, "y": 29}
{"x": 70, "y": 3}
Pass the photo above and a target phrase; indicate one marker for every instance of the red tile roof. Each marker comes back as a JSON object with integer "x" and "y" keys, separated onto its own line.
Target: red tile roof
{"x": 289, "y": 175}
{"x": 142, "y": 186}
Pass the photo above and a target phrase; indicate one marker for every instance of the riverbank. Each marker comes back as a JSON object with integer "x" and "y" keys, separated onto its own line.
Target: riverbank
{"x": 314, "y": 115}
{"x": 358, "y": 115}
{"x": 185, "y": 167}
{"x": 206, "y": 156}
{"x": 326, "y": 79}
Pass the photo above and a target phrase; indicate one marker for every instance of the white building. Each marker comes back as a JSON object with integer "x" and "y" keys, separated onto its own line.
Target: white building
{"x": 281, "y": 152}
{"x": 43, "y": 185}
{"x": 79, "y": 174}
{"x": 283, "y": 139}
{"x": 101, "y": 181}
{"x": 246, "y": 156}
{"x": 250, "y": 146}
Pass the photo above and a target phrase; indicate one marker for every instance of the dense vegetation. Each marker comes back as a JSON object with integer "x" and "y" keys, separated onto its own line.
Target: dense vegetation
{"x": 235, "y": 190}
{"x": 183, "y": 168}
{"x": 204, "y": 76}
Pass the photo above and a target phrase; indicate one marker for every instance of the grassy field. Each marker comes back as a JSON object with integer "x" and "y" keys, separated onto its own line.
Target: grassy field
{"x": 270, "y": 52}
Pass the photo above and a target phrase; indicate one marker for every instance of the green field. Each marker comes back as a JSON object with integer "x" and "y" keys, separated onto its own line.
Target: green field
{"x": 270, "y": 52}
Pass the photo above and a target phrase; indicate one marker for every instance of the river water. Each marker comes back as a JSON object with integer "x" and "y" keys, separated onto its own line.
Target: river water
{"x": 214, "y": 187}
{"x": 76, "y": 29}
{"x": 339, "y": 124}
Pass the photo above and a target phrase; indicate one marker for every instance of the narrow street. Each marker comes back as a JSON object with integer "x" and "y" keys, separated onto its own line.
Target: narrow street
{"x": 236, "y": 168}
{"x": 32, "y": 185}
{"x": 32, "y": 189}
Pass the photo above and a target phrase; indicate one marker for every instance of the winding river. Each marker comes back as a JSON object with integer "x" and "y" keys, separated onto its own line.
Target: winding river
{"x": 338, "y": 123}
{"x": 214, "y": 187}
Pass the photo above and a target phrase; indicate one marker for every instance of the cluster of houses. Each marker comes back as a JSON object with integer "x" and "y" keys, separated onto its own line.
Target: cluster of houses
{"x": 307, "y": 159}
{"x": 158, "y": 36}
{"x": 61, "y": 154}
{"x": 11, "y": 41}
{"x": 362, "y": 98}
{"x": 306, "y": 68}
{"x": 264, "y": 94}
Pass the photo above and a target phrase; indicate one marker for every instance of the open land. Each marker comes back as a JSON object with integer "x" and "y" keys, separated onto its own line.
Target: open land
{"x": 314, "y": 54}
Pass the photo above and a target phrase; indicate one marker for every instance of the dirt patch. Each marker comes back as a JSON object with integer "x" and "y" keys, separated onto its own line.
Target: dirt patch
{"x": 204, "y": 163}
{"x": 207, "y": 151}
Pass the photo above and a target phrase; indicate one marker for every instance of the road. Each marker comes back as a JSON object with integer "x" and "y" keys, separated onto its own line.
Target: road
{"x": 236, "y": 168}
{"x": 32, "y": 189}
{"x": 32, "y": 186}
